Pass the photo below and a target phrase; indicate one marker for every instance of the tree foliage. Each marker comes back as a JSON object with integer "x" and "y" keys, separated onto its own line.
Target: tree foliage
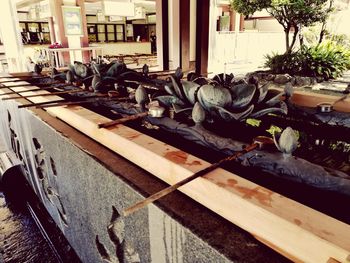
{"x": 291, "y": 14}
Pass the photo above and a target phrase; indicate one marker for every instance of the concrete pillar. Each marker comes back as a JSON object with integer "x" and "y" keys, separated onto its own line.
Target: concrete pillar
{"x": 56, "y": 7}
{"x": 84, "y": 40}
{"x": 11, "y": 36}
{"x": 58, "y": 25}
{"x": 241, "y": 24}
{"x": 70, "y": 41}
{"x": 204, "y": 32}
{"x": 174, "y": 34}
{"x": 193, "y": 19}
{"x": 52, "y": 30}
{"x": 214, "y": 13}
{"x": 73, "y": 41}
{"x": 184, "y": 25}
{"x": 162, "y": 30}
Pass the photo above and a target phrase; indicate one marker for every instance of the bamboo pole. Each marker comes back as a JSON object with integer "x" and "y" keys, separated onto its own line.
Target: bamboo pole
{"x": 122, "y": 120}
{"x": 259, "y": 142}
{"x": 44, "y": 95}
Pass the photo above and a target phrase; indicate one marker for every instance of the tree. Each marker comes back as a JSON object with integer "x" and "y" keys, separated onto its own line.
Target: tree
{"x": 291, "y": 14}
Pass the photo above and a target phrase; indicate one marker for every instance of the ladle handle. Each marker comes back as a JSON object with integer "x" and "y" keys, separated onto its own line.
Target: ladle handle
{"x": 340, "y": 99}
{"x": 122, "y": 120}
{"x": 200, "y": 173}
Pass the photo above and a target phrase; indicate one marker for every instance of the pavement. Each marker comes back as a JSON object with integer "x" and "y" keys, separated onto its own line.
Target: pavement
{"x": 2, "y": 146}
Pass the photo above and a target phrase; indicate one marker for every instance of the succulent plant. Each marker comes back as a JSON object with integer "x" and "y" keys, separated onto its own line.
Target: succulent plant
{"x": 223, "y": 97}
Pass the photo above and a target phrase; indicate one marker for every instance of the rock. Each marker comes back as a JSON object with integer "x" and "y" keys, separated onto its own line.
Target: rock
{"x": 319, "y": 79}
{"x": 293, "y": 81}
{"x": 282, "y": 78}
{"x": 302, "y": 81}
{"x": 141, "y": 95}
{"x": 287, "y": 141}
{"x": 270, "y": 77}
{"x": 198, "y": 113}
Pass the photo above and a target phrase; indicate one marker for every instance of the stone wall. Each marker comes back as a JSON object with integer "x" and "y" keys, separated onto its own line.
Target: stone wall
{"x": 85, "y": 199}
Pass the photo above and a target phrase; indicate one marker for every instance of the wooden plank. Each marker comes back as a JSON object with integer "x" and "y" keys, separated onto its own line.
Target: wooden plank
{"x": 202, "y": 36}
{"x": 295, "y": 230}
{"x": 16, "y": 83}
{"x": 8, "y": 79}
{"x": 184, "y": 25}
{"x": 308, "y": 99}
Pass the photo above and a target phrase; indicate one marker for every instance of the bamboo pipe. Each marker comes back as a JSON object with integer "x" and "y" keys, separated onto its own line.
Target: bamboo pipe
{"x": 63, "y": 102}
{"x": 16, "y": 92}
{"x": 22, "y": 79}
{"x": 259, "y": 142}
{"x": 29, "y": 84}
{"x": 44, "y": 95}
{"x": 38, "y": 103}
{"x": 55, "y": 101}
{"x": 36, "y": 89}
{"x": 122, "y": 120}
{"x": 67, "y": 103}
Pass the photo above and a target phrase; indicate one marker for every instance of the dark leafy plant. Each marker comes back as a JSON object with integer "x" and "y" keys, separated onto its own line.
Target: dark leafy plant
{"x": 327, "y": 60}
{"x": 291, "y": 63}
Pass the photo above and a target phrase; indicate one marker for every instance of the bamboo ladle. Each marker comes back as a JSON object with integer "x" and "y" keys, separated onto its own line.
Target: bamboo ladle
{"x": 258, "y": 143}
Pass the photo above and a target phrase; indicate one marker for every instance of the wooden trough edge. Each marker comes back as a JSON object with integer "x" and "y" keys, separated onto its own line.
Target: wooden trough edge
{"x": 292, "y": 229}
{"x": 310, "y": 99}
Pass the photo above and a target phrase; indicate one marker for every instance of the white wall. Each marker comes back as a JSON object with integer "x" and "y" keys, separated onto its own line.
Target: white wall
{"x": 11, "y": 37}
{"x": 251, "y": 47}
{"x": 127, "y": 48}
{"x": 174, "y": 33}
{"x": 263, "y": 25}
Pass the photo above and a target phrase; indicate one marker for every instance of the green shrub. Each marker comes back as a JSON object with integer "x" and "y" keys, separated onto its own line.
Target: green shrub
{"x": 327, "y": 60}
{"x": 341, "y": 39}
{"x": 291, "y": 63}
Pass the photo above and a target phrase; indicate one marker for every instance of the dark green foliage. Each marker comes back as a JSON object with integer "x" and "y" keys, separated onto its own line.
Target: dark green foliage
{"x": 291, "y": 63}
{"x": 249, "y": 7}
{"x": 327, "y": 60}
{"x": 289, "y": 13}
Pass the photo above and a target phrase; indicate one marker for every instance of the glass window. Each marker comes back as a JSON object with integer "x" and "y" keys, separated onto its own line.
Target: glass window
{"x": 22, "y": 26}
{"x": 45, "y": 27}
{"x": 110, "y": 28}
{"x": 120, "y": 28}
{"x": 101, "y": 37}
{"x": 100, "y": 28}
{"x": 120, "y": 36}
{"x": 111, "y": 37}
{"x": 33, "y": 27}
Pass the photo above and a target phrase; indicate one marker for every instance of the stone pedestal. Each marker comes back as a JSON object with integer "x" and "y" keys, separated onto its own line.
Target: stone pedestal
{"x": 85, "y": 188}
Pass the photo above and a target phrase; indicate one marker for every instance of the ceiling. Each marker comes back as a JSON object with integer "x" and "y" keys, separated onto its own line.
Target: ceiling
{"x": 91, "y": 6}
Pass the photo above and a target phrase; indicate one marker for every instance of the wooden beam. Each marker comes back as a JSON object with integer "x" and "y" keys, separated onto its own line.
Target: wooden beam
{"x": 295, "y": 230}
{"x": 84, "y": 40}
{"x": 58, "y": 19}
{"x": 184, "y": 24}
{"x": 162, "y": 33}
{"x": 309, "y": 99}
{"x": 202, "y": 36}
